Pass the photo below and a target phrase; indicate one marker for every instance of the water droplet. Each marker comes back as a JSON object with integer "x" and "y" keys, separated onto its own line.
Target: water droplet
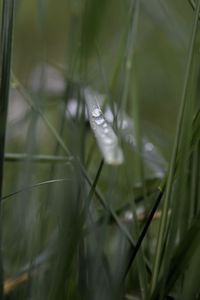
{"x": 99, "y": 121}
{"x": 128, "y": 215}
{"x": 159, "y": 174}
{"x": 124, "y": 124}
{"x": 108, "y": 140}
{"x": 106, "y": 130}
{"x": 96, "y": 113}
{"x": 105, "y": 125}
{"x": 109, "y": 115}
{"x": 130, "y": 140}
{"x": 72, "y": 107}
{"x": 148, "y": 147}
{"x": 128, "y": 64}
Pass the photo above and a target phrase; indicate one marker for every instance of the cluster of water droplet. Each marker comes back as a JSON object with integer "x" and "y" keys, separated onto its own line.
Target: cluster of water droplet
{"x": 103, "y": 127}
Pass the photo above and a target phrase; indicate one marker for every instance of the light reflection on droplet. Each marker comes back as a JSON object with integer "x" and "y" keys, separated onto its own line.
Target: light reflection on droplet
{"x": 124, "y": 124}
{"x": 148, "y": 146}
{"x": 130, "y": 139}
{"x": 99, "y": 121}
{"x": 108, "y": 140}
{"x": 128, "y": 215}
{"x": 96, "y": 113}
{"x": 109, "y": 115}
{"x": 159, "y": 174}
{"x": 72, "y": 107}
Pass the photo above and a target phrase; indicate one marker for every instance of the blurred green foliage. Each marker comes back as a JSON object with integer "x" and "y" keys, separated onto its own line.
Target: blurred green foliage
{"x": 72, "y": 225}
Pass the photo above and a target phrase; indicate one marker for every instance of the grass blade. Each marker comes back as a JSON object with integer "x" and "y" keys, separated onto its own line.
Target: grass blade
{"x": 182, "y": 255}
{"x": 106, "y": 137}
{"x": 27, "y": 97}
{"x": 29, "y": 188}
{"x": 40, "y": 158}
{"x": 181, "y": 139}
{"x": 5, "y": 60}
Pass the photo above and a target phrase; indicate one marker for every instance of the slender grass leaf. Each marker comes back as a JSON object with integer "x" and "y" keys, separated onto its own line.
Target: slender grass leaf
{"x": 153, "y": 159}
{"x": 181, "y": 143}
{"x": 27, "y": 97}
{"x": 5, "y": 61}
{"x": 180, "y": 260}
{"x": 93, "y": 14}
{"x": 40, "y": 158}
{"x": 106, "y": 138}
{"x": 192, "y": 3}
{"x": 28, "y": 188}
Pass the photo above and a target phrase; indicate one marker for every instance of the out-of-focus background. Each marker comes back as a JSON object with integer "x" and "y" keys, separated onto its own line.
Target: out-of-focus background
{"x": 59, "y": 48}
{"x": 50, "y": 32}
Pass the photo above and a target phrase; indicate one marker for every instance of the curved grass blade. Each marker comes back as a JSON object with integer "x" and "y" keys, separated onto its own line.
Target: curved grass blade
{"x": 106, "y": 138}
{"x": 28, "y": 188}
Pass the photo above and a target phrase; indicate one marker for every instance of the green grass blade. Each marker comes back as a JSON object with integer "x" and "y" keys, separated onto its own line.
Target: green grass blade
{"x": 105, "y": 135}
{"x": 55, "y": 134}
{"x": 192, "y": 3}
{"x": 29, "y": 188}
{"x": 184, "y": 122}
{"x": 93, "y": 13}
{"x": 5, "y": 60}
{"x": 144, "y": 230}
{"x": 27, "y": 97}
{"x": 5, "y": 65}
{"x": 180, "y": 260}
{"x": 40, "y": 158}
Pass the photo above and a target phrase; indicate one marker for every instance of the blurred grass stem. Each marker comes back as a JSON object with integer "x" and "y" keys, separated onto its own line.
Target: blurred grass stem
{"x": 5, "y": 60}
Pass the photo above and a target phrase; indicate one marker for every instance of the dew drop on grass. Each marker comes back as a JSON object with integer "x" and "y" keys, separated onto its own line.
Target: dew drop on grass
{"x": 124, "y": 124}
{"x": 130, "y": 140}
{"x": 128, "y": 215}
{"x": 108, "y": 140}
{"x": 109, "y": 115}
{"x": 99, "y": 121}
{"x": 96, "y": 113}
{"x": 148, "y": 147}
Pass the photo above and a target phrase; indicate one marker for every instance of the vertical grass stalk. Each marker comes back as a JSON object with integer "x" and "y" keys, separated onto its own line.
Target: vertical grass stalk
{"x": 178, "y": 139}
{"x": 5, "y": 60}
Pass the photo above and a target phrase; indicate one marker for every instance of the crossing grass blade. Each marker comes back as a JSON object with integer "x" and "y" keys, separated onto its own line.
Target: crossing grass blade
{"x": 182, "y": 255}
{"x": 58, "y": 138}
